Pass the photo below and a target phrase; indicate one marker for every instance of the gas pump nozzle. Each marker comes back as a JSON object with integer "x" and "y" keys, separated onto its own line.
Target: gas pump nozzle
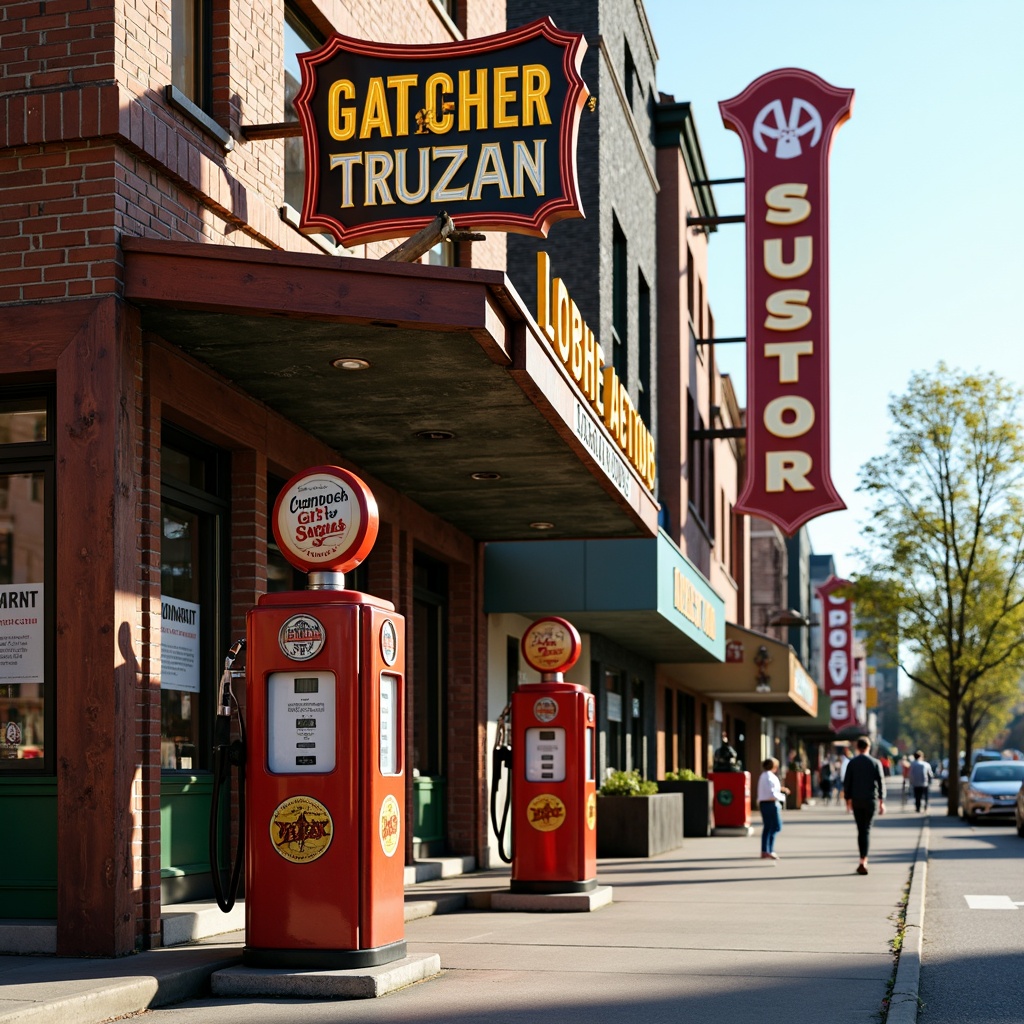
{"x": 227, "y": 696}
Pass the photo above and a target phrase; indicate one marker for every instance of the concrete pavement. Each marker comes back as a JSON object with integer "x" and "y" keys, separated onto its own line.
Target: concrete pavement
{"x": 709, "y": 929}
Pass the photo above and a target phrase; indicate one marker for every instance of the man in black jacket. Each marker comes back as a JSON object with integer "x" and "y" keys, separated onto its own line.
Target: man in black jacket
{"x": 862, "y": 784}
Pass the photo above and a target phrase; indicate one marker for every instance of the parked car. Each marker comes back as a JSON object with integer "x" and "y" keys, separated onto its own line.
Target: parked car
{"x": 943, "y": 775}
{"x": 990, "y": 791}
{"x": 985, "y": 755}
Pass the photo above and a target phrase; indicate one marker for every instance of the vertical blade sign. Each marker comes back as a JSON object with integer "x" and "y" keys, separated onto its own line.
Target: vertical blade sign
{"x": 786, "y": 120}
{"x": 837, "y": 651}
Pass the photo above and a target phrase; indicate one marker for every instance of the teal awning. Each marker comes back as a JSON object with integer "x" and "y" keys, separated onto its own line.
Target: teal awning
{"x": 643, "y": 594}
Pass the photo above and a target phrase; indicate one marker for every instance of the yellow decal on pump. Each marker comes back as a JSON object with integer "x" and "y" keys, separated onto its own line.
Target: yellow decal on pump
{"x": 592, "y": 811}
{"x": 301, "y": 829}
{"x": 390, "y": 825}
{"x": 545, "y": 812}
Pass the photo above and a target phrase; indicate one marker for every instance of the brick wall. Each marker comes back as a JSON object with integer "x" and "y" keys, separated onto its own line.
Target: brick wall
{"x": 90, "y": 149}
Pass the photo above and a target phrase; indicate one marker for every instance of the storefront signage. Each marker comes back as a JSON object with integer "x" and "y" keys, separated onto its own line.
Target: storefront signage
{"x": 837, "y": 651}
{"x": 582, "y": 355}
{"x": 693, "y": 606}
{"x": 483, "y": 129}
{"x": 786, "y": 120}
{"x": 179, "y": 645}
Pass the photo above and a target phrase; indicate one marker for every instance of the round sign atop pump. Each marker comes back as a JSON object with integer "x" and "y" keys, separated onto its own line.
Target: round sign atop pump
{"x": 551, "y": 645}
{"x": 325, "y": 519}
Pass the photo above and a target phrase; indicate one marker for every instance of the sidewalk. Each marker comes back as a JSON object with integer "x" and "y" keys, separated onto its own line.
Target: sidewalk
{"x": 709, "y": 931}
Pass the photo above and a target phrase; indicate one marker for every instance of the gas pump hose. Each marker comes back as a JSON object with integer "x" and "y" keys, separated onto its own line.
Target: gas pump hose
{"x": 227, "y": 754}
{"x": 501, "y": 761}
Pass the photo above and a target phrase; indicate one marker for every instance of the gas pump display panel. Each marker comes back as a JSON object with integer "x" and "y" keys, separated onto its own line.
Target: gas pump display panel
{"x": 301, "y": 734}
{"x": 545, "y": 755}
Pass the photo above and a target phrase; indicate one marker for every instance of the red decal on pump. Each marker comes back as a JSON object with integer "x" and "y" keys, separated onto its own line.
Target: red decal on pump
{"x": 545, "y": 812}
{"x": 301, "y": 637}
{"x": 301, "y": 829}
{"x": 545, "y": 709}
{"x": 388, "y": 642}
{"x": 390, "y": 827}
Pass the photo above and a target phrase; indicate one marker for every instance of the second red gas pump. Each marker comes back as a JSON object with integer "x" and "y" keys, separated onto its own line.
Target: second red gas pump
{"x": 552, "y": 762}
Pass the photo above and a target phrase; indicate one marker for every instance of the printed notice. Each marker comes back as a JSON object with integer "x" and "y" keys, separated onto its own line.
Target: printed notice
{"x": 179, "y": 645}
{"x": 21, "y": 633}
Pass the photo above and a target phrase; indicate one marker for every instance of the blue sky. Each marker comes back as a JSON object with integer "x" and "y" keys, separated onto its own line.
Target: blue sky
{"x": 927, "y": 198}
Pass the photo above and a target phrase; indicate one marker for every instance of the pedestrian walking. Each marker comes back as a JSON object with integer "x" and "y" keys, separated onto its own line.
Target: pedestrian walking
{"x": 920, "y": 776}
{"x": 825, "y": 780}
{"x": 863, "y": 784}
{"x": 769, "y": 797}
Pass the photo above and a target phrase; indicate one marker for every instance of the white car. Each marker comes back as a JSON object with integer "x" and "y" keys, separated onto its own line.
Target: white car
{"x": 990, "y": 791}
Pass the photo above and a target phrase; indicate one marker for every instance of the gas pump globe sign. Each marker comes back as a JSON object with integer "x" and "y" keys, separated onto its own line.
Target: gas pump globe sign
{"x": 325, "y": 520}
{"x": 551, "y": 645}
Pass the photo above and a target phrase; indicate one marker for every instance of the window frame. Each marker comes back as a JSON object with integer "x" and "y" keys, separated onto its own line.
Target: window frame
{"x": 212, "y": 504}
{"x": 22, "y": 458}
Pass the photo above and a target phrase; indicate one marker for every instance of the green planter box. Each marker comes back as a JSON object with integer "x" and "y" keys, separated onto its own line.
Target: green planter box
{"x": 698, "y": 805}
{"x": 639, "y": 826}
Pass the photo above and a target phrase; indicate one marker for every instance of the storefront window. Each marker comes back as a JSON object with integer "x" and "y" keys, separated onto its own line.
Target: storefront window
{"x": 26, "y": 539}
{"x": 193, "y": 511}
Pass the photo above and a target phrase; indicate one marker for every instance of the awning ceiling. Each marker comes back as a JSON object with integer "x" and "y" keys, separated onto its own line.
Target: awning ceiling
{"x": 451, "y": 352}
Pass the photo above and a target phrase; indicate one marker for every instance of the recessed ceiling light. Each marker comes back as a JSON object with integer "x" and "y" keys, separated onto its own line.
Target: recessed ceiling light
{"x": 485, "y": 476}
{"x": 350, "y": 363}
{"x": 434, "y": 435}
{"x": 542, "y": 526}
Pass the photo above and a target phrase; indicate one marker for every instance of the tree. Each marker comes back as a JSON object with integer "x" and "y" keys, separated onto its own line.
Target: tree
{"x": 942, "y": 593}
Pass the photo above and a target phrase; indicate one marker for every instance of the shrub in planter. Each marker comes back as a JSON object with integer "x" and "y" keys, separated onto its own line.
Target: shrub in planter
{"x": 628, "y": 784}
{"x": 634, "y": 819}
{"x": 698, "y": 800}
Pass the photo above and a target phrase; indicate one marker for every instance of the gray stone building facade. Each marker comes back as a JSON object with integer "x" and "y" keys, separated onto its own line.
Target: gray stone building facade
{"x": 618, "y": 187}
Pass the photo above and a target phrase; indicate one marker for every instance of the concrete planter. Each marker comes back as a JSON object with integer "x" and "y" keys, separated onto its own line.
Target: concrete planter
{"x": 698, "y": 805}
{"x": 639, "y": 826}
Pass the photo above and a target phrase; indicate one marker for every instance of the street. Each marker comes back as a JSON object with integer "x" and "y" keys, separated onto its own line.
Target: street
{"x": 971, "y": 960}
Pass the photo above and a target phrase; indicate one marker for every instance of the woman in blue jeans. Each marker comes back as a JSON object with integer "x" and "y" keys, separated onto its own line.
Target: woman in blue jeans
{"x": 769, "y": 797}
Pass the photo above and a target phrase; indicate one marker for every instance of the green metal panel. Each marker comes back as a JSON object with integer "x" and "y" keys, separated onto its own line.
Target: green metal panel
{"x": 28, "y": 860}
{"x": 428, "y": 810}
{"x": 185, "y": 824}
{"x": 517, "y": 569}
{"x": 621, "y": 575}
{"x": 671, "y": 561}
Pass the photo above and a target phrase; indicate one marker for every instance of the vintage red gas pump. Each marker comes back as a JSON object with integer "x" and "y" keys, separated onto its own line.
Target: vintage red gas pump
{"x": 325, "y": 787}
{"x": 554, "y": 797}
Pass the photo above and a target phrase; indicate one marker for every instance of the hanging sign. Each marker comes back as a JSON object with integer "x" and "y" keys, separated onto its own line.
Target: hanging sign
{"x": 483, "y": 129}
{"x": 837, "y": 651}
{"x": 786, "y": 120}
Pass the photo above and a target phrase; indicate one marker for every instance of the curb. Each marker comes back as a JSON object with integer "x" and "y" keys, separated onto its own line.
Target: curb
{"x": 903, "y": 1003}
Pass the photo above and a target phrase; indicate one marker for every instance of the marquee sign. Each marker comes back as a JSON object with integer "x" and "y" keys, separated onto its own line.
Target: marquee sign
{"x": 483, "y": 129}
{"x": 837, "y": 651}
{"x": 786, "y": 120}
